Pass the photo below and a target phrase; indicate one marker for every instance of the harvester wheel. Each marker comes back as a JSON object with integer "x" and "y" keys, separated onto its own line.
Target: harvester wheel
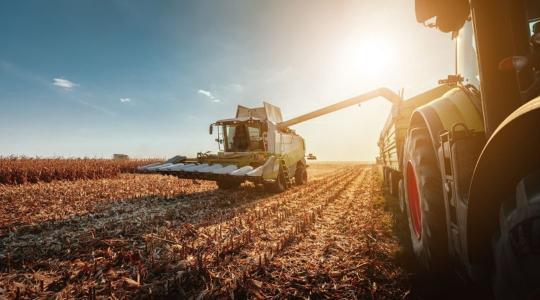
{"x": 278, "y": 185}
{"x": 300, "y": 175}
{"x": 516, "y": 245}
{"x": 225, "y": 184}
{"x": 425, "y": 204}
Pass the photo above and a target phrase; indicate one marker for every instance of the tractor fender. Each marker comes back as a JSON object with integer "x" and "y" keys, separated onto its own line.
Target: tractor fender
{"x": 455, "y": 106}
{"x": 512, "y": 152}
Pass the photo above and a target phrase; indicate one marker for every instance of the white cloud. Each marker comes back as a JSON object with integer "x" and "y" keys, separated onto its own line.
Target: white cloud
{"x": 64, "y": 83}
{"x": 125, "y": 100}
{"x": 208, "y": 95}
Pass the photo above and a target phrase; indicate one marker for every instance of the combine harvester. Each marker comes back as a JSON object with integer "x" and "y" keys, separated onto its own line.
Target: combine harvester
{"x": 257, "y": 146}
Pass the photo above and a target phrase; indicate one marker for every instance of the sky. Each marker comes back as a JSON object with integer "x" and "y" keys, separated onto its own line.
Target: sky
{"x": 146, "y": 78}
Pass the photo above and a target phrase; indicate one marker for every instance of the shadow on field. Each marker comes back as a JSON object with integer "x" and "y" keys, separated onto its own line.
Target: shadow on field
{"x": 422, "y": 286}
{"x": 77, "y": 236}
{"x": 216, "y": 198}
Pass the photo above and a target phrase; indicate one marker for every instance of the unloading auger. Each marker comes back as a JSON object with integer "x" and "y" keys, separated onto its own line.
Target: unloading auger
{"x": 257, "y": 146}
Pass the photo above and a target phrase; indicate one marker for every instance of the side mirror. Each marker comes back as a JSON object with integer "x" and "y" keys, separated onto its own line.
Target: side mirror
{"x": 211, "y": 129}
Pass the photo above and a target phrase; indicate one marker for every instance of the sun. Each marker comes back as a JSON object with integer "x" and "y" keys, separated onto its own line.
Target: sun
{"x": 368, "y": 56}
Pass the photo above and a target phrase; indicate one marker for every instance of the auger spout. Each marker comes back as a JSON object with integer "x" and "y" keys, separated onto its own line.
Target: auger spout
{"x": 380, "y": 92}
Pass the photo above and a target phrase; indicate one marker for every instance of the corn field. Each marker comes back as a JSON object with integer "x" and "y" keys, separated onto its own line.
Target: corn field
{"x": 142, "y": 236}
{"x": 20, "y": 170}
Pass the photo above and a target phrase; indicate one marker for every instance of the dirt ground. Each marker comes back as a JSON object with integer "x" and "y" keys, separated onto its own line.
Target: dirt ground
{"x": 141, "y": 236}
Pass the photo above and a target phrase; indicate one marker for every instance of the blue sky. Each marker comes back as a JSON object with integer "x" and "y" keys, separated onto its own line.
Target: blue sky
{"x": 92, "y": 78}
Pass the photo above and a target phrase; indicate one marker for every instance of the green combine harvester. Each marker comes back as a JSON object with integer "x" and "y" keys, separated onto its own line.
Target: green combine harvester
{"x": 257, "y": 146}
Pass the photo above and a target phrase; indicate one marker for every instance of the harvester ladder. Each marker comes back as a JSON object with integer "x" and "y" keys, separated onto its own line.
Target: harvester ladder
{"x": 285, "y": 171}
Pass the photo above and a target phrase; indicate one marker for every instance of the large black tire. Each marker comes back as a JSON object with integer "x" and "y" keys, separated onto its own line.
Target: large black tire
{"x": 228, "y": 184}
{"x": 279, "y": 185}
{"x": 516, "y": 247}
{"x": 425, "y": 204}
{"x": 300, "y": 175}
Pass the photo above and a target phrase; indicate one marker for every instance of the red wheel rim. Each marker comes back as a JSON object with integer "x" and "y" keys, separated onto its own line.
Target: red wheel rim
{"x": 414, "y": 200}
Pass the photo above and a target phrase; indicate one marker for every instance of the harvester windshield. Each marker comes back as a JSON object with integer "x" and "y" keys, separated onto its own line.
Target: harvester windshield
{"x": 242, "y": 136}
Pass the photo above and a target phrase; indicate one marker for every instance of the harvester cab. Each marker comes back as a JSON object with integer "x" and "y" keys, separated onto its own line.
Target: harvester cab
{"x": 249, "y": 130}
{"x": 257, "y": 146}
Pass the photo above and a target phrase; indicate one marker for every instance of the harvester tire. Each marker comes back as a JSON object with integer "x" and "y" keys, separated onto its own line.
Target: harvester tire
{"x": 516, "y": 244}
{"x": 279, "y": 185}
{"x": 300, "y": 175}
{"x": 425, "y": 205}
{"x": 225, "y": 184}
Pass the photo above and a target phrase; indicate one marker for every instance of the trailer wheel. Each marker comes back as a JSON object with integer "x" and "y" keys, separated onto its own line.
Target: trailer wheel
{"x": 278, "y": 185}
{"x": 385, "y": 180}
{"x": 401, "y": 196}
{"x": 228, "y": 184}
{"x": 516, "y": 245}
{"x": 389, "y": 182}
{"x": 300, "y": 175}
{"x": 425, "y": 205}
{"x": 393, "y": 182}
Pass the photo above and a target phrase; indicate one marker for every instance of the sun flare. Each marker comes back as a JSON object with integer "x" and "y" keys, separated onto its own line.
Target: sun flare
{"x": 368, "y": 57}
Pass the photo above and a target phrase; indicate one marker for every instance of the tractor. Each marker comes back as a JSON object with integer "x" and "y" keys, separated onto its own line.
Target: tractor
{"x": 464, "y": 158}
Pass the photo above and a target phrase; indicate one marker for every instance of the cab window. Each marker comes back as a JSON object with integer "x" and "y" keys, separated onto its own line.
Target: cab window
{"x": 466, "y": 59}
{"x": 255, "y": 137}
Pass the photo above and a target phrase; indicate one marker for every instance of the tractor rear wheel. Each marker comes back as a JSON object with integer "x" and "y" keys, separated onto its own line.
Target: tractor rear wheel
{"x": 425, "y": 205}
{"x": 300, "y": 175}
{"x": 516, "y": 246}
{"x": 228, "y": 184}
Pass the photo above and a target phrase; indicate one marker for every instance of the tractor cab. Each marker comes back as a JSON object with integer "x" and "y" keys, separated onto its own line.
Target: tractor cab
{"x": 498, "y": 50}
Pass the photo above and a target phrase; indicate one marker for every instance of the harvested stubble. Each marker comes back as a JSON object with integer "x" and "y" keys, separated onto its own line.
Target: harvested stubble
{"x": 25, "y": 206}
{"x": 20, "y": 170}
{"x": 327, "y": 239}
{"x": 321, "y": 169}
